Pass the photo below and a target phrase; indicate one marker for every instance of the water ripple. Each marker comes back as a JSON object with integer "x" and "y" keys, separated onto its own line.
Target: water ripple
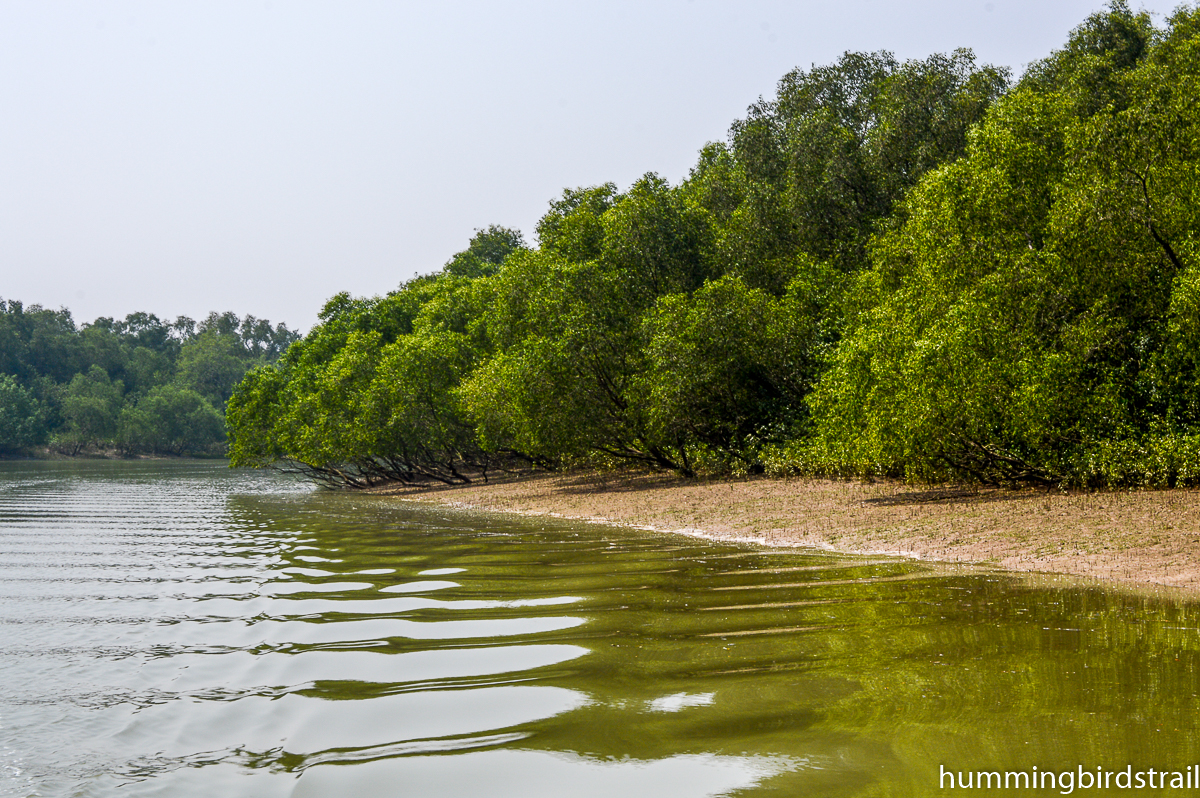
{"x": 182, "y": 629}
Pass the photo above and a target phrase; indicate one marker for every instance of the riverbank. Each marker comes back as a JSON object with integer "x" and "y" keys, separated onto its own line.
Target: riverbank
{"x": 48, "y": 453}
{"x": 1132, "y": 537}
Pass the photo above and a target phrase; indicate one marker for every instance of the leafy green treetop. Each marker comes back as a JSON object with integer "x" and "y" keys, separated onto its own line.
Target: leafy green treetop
{"x": 487, "y": 250}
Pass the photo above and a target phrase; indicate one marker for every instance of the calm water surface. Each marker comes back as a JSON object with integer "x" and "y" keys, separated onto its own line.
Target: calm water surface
{"x": 180, "y": 629}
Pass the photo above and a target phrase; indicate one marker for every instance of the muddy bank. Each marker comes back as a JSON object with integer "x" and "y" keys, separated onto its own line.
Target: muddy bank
{"x": 1133, "y": 537}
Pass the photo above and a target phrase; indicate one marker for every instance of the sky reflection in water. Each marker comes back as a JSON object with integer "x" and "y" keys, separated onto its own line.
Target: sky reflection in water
{"x": 180, "y": 629}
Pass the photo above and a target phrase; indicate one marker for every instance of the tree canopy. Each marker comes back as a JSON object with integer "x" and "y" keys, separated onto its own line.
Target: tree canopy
{"x": 136, "y": 385}
{"x": 916, "y": 269}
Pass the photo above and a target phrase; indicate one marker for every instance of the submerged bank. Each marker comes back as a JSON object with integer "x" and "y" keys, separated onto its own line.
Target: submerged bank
{"x": 1132, "y": 537}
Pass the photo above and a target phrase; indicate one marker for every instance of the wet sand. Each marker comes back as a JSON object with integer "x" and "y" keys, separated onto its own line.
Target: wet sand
{"x": 1131, "y": 537}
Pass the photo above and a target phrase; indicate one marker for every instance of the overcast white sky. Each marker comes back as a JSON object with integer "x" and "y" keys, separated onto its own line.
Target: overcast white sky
{"x": 260, "y": 157}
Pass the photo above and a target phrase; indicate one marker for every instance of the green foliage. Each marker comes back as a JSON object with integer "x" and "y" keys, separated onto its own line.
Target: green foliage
{"x": 81, "y": 382}
{"x": 827, "y": 160}
{"x": 896, "y": 268}
{"x": 1090, "y": 67}
{"x": 1027, "y": 320}
{"x": 487, "y": 250}
{"x": 729, "y": 366}
{"x": 655, "y": 240}
{"x": 91, "y": 405}
{"x": 563, "y": 384}
{"x": 572, "y": 228}
{"x": 35, "y": 341}
{"x": 253, "y": 416}
{"x": 923, "y": 113}
{"x": 369, "y": 393}
{"x": 211, "y": 364}
{"x": 22, "y": 417}
{"x": 412, "y": 400}
{"x": 171, "y": 420}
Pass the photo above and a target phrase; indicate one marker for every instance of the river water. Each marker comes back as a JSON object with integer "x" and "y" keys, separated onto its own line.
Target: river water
{"x": 182, "y": 629}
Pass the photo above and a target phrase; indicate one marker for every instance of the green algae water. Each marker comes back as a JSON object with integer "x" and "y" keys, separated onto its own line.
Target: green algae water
{"x": 180, "y": 629}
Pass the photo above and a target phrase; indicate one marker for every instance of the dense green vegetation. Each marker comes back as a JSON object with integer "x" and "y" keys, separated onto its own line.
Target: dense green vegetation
{"x": 916, "y": 269}
{"x": 140, "y": 385}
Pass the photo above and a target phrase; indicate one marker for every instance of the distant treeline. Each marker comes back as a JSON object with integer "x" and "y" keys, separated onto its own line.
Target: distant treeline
{"x": 141, "y": 385}
{"x": 916, "y": 269}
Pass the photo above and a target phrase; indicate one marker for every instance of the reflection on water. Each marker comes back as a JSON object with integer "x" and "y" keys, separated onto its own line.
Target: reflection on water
{"x": 179, "y": 629}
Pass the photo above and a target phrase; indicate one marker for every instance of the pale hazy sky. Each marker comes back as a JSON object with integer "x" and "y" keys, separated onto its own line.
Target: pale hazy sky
{"x": 182, "y": 157}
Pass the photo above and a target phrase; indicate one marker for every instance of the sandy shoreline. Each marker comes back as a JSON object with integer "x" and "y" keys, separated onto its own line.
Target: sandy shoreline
{"x": 1131, "y": 537}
